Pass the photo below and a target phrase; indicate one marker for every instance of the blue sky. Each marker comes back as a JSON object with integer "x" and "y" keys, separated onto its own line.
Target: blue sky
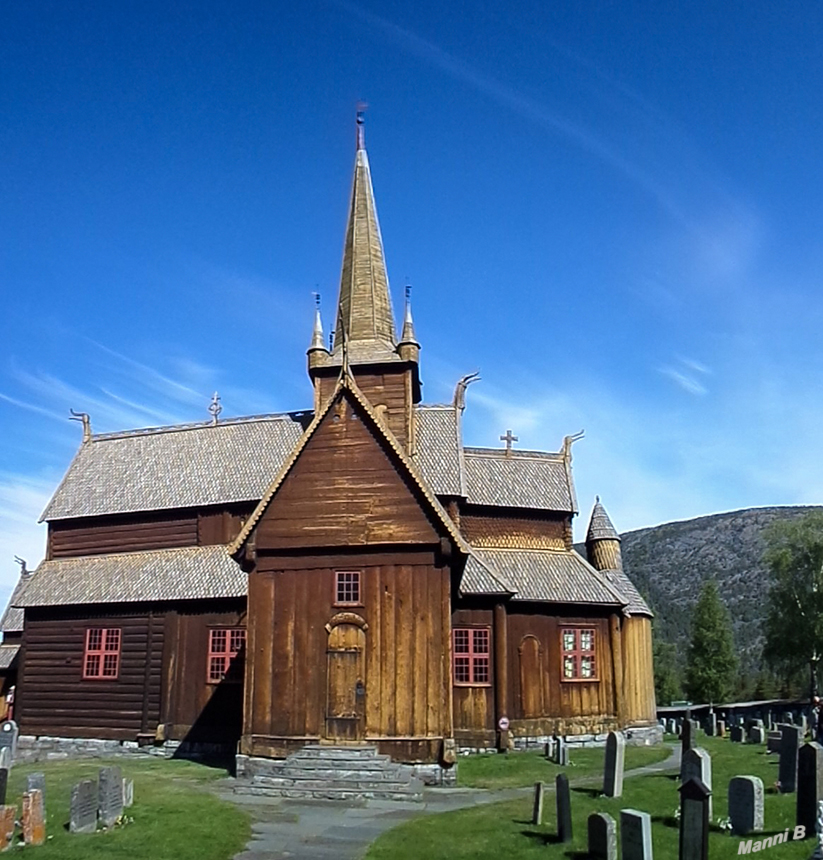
{"x": 613, "y": 210}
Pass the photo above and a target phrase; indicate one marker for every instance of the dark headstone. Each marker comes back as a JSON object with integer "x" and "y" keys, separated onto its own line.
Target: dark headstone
{"x": 697, "y": 764}
{"x": 537, "y": 809}
{"x": 809, "y": 784}
{"x": 757, "y": 734}
{"x": 37, "y": 781}
{"x": 736, "y": 734}
{"x": 83, "y": 811}
{"x": 602, "y": 837}
{"x": 613, "y": 770}
{"x": 773, "y": 740}
{"x": 110, "y": 795}
{"x": 635, "y": 835}
{"x": 564, "y": 808}
{"x": 8, "y": 741}
{"x": 694, "y": 820}
{"x": 746, "y": 804}
{"x": 4, "y": 783}
{"x": 789, "y": 746}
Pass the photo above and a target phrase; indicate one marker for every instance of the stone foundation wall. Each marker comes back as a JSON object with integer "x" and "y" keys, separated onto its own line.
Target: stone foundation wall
{"x": 635, "y": 736}
{"x": 31, "y": 748}
{"x": 434, "y": 774}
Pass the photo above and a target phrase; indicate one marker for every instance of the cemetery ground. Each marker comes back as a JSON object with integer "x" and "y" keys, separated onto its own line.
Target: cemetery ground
{"x": 505, "y": 829}
{"x": 175, "y": 814}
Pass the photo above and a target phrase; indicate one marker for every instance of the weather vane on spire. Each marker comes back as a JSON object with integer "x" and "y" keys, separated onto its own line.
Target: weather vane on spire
{"x": 361, "y": 133}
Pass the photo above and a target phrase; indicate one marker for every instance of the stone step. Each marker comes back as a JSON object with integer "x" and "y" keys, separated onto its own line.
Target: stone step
{"x": 295, "y": 771}
{"x": 365, "y": 785}
{"x": 341, "y": 794}
{"x": 318, "y": 751}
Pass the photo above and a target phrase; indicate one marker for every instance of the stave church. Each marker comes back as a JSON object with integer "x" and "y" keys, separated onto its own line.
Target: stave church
{"x": 350, "y": 573}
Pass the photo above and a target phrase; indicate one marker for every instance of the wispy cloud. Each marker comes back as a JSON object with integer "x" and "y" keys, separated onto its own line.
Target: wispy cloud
{"x": 685, "y": 381}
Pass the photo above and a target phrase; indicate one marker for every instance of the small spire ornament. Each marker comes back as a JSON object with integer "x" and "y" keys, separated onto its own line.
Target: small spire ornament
{"x": 215, "y": 408}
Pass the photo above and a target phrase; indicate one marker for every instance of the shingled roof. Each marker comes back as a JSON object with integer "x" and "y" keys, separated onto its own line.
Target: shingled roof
{"x": 196, "y": 465}
{"x": 553, "y": 576}
{"x": 521, "y": 479}
{"x": 12, "y": 620}
{"x": 188, "y": 573}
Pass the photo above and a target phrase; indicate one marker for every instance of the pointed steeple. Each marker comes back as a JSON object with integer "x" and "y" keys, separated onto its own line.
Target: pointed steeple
{"x": 408, "y": 348}
{"x": 364, "y": 310}
{"x": 603, "y": 541}
{"x": 317, "y": 351}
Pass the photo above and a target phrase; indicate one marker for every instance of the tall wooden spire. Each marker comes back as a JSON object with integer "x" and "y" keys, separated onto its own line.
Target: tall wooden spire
{"x": 364, "y": 311}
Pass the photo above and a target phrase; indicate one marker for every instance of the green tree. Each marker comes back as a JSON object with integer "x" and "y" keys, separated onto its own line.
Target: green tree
{"x": 794, "y": 612}
{"x": 712, "y": 664}
{"x": 667, "y": 683}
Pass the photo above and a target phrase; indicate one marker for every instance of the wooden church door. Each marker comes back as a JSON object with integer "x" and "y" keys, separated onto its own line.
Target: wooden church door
{"x": 346, "y": 691}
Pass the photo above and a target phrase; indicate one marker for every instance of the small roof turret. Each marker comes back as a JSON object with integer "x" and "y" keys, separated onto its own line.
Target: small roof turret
{"x": 600, "y": 525}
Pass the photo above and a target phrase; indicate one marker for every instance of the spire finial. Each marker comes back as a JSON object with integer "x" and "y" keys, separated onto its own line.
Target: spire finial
{"x": 317, "y": 332}
{"x": 361, "y": 131}
{"x": 84, "y": 417}
{"x": 407, "y": 335}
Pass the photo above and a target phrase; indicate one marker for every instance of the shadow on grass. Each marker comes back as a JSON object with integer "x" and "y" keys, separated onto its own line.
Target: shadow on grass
{"x": 589, "y": 792}
{"x": 544, "y": 838}
{"x": 666, "y": 821}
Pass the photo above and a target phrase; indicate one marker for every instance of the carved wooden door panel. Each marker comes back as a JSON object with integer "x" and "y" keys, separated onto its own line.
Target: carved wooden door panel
{"x": 346, "y": 691}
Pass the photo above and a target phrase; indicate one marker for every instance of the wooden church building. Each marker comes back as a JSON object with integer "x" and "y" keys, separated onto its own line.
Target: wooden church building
{"x": 350, "y": 573}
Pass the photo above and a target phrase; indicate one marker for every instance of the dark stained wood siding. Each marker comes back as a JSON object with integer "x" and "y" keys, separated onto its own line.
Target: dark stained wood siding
{"x": 54, "y": 698}
{"x": 199, "y": 710}
{"x": 344, "y": 490}
{"x": 474, "y": 710}
{"x": 146, "y": 531}
{"x": 406, "y": 652}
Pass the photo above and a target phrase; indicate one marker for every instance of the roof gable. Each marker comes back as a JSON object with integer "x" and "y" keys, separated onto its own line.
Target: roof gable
{"x": 348, "y": 482}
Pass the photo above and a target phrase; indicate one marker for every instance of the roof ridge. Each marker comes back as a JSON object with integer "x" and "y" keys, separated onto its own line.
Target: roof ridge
{"x": 198, "y": 425}
{"x": 522, "y": 454}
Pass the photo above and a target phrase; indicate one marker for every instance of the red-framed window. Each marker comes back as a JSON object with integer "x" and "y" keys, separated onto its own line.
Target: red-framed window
{"x": 225, "y": 646}
{"x": 578, "y": 647}
{"x": 347, "y": 591}
{"x": 101, "y": 659}
{"x": 470, "y": 655}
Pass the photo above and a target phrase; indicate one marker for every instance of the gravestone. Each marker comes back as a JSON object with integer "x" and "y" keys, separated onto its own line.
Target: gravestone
{"x": 635, "y": 835}
{"x": 110, "y": 795}
{"x": 736, "y": 734}
{"x": 83, "y": 810}
{"x": 37, "y": 781}
{"x": 562, "y": 753}
{"x": 556, "y": 748}
{"x": 564, "y": 808}
{"x": 34, "y": 822}
{"x": 694, "y": 820}
{"x": 128, "y": 792}
{"x": 788, "y": 718}
{"x": 688, "y": 738}
{"x": 4, "y": 784}
{"x": 697, "y": 764}
{"x": 8, "y": 742}
{"x": 8, "y": 817}
{"x": 711, "y": 725}
{"x": 789, "y": 746}
{"x": 613, "y": 770}
{"x": 756, "y": 735}
{"x": 537, "y": 809}
{"x": 773, "y": 742}
{"x": 602, "y": 836}
{"x": 809, "y": 784}
{"x": 547, "y": 750}
{"x": 746, "y": 804}
{"x": 721, "y": 728}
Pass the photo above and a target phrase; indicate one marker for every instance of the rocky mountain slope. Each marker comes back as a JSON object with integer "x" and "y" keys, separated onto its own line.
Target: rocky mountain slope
{"x": 669, "y": 563}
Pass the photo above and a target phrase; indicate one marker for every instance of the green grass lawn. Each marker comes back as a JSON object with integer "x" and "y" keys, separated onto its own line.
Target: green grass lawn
{"x": 526, "y": 768}
{"x": 505, "y": 829}
{"x": 176, "y": 816}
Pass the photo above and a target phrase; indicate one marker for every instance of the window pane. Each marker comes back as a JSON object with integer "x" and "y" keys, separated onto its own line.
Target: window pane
{"x": 95, "y": 639}
{"x": 238, "y": 640}
{"x": 113, "y": 639}
{"x": 110, "y": 662}
{"x": 568, "y": 667}
{"x": 461, "y": 670}
{"x": 587, "y": 667}
{"x": 481, "y": 641}
{"x": 216, "y": 667}
{"x": 218, "y": 643}
{"x": 92, "y": 665}
{"x": 461, "y": 641}
{"x": 587, "y": 640}
{"x": 481, "y": 670}
{"x": 568, "y": 640}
